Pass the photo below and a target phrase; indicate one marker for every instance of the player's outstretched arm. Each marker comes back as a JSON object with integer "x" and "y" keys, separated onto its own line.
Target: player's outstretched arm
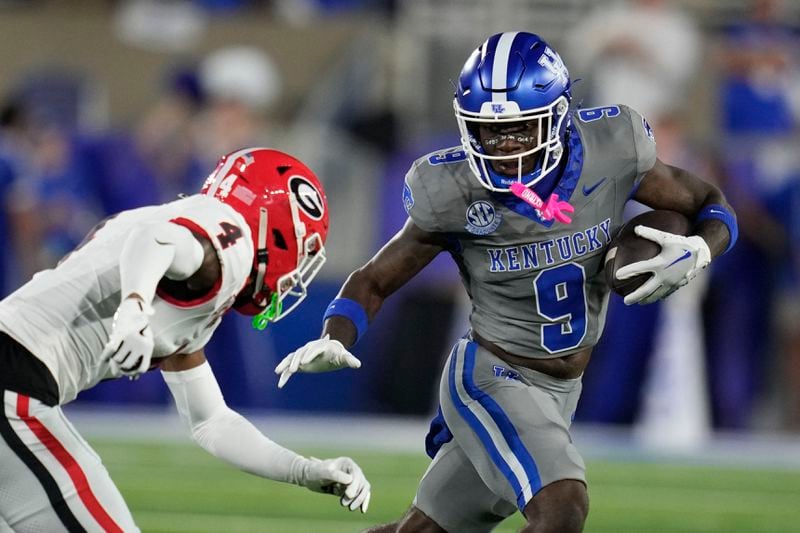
{"x": 681, "y": 257}
{"x": 320, "y": 355}
{"x": 360, "y": 299}
{"x": 229, "y": 436}
{"x": 150, "y": 252}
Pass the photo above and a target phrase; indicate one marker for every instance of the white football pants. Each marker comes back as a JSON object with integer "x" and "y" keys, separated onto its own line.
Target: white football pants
{"x": 50, "y": 478}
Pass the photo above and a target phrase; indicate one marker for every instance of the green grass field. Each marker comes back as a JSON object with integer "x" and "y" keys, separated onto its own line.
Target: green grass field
{"x": 179, "y": 488}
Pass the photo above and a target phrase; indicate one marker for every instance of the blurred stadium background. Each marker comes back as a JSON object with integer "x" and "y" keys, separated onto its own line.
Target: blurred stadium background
{"x": 108, "y": 105}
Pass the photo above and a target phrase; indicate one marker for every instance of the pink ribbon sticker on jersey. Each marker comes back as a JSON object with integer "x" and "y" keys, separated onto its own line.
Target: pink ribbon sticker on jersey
{"x": 552, "y": 209}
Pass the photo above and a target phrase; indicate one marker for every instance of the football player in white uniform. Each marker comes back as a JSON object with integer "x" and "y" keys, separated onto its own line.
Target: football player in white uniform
{"x": 146, "y": 290}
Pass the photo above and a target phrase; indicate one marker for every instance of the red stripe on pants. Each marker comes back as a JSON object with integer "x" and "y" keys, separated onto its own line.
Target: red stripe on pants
{"x": 70, "y": 465}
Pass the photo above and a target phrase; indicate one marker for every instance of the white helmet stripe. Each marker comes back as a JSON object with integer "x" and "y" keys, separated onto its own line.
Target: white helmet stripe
{"x": 223, "y": 172}
{"x": 500, "y": 66}
{"x": 261, "y": 272}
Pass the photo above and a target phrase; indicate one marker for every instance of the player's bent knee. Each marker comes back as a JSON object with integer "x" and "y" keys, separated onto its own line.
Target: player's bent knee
{"x": 413, "y": 521}
{"x": 559, "y": 507}
{"x": 418, "y": 522}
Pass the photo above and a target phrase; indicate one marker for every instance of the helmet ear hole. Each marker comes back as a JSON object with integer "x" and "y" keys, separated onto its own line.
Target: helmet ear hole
{"x": 280, "y": 242}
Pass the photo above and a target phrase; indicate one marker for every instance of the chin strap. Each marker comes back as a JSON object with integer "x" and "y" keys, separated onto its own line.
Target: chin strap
{"x": 270, "y": 312}
{"x": 550, "y": 210}
{"x": 261, "y": 320}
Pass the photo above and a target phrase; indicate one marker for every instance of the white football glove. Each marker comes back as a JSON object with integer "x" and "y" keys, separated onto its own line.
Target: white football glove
{"x": 341, "y": 477}
{"x": 320, "y": 355}
{"x": 679, "y": 260}
{"x": 130, "y": 345}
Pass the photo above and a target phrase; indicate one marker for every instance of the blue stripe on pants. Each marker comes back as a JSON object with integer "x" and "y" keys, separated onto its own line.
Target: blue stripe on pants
{"x": 500, "y": 418}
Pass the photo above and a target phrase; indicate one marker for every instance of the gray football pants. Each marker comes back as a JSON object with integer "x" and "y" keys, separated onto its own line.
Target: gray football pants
{"x": 511, "y": 437}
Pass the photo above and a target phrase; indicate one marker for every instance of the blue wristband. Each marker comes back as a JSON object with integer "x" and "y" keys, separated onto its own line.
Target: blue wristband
{"x": 718, "y": 212}
{"x": 351, "y": 310}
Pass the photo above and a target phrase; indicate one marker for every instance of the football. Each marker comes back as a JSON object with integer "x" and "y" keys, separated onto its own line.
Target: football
{"x": 626, "y": 247}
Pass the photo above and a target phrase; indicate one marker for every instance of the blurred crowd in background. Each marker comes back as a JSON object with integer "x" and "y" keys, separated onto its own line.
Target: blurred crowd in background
{"x": 110, "y": 105}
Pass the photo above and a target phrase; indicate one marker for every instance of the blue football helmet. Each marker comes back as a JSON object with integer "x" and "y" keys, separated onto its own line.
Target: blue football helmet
{"x": 513, "y": 78}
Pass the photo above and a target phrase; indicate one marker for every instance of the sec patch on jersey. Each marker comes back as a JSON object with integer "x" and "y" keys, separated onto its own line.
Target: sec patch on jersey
{"x": 626, "y": 247}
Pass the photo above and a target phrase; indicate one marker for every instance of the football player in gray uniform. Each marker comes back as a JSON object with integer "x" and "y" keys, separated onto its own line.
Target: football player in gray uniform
{"x": 526, "y": 207}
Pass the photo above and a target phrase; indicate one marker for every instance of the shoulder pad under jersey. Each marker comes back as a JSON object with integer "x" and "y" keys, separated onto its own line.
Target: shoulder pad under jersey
{"x": 618, "y": 139}
{"x": 437, "y": 189}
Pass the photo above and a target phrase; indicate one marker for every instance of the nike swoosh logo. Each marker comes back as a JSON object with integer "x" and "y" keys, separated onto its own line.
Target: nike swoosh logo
{"x": 589, "y": 190}
{"x": 686, "y": 255}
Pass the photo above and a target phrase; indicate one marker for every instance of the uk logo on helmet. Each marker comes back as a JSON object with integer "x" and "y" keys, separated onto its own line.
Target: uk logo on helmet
{"x": 498, "y": 108}
{"x": 648, "y": 130}
{"x": 408, "y": 197}
{"x": 308, "y": 197}
{"x": 482, "y": 218}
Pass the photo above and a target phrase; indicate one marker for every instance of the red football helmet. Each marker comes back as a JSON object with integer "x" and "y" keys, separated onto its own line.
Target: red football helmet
{"x": 285, "y": 207}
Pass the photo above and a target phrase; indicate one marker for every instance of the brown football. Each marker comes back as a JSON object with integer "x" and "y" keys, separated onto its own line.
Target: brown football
{"x": 626, "y": 247}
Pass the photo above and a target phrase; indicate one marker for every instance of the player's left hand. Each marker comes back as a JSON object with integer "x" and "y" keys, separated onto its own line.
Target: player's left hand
{"x": 680, "y": 259}
{"x": 130, "y": 346}
{"x": 341, "y": 477}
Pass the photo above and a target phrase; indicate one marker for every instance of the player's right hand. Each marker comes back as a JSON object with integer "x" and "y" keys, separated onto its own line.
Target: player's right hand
{"x": 678, "y": 262}
{"x": 321, "y": 355}
{"x": 130, "y": 345}
{"x": 341, "y": 477}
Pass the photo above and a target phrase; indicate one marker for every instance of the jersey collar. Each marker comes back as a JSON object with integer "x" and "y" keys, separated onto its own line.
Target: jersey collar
{"x": 561, "y": 182}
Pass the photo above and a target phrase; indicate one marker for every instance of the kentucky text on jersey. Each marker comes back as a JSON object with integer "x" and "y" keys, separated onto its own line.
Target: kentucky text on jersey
{"x": 566, "y": 248}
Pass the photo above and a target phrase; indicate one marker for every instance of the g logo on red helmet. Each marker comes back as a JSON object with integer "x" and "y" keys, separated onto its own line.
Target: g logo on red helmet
{"x": 308, "y": 197}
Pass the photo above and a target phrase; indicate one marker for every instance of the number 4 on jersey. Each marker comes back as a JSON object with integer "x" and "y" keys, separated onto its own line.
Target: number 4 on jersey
{"x": 230, "y": 234}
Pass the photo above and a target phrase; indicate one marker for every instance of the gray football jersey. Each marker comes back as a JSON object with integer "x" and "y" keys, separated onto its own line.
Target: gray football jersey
{"x": 537, "y": 290}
